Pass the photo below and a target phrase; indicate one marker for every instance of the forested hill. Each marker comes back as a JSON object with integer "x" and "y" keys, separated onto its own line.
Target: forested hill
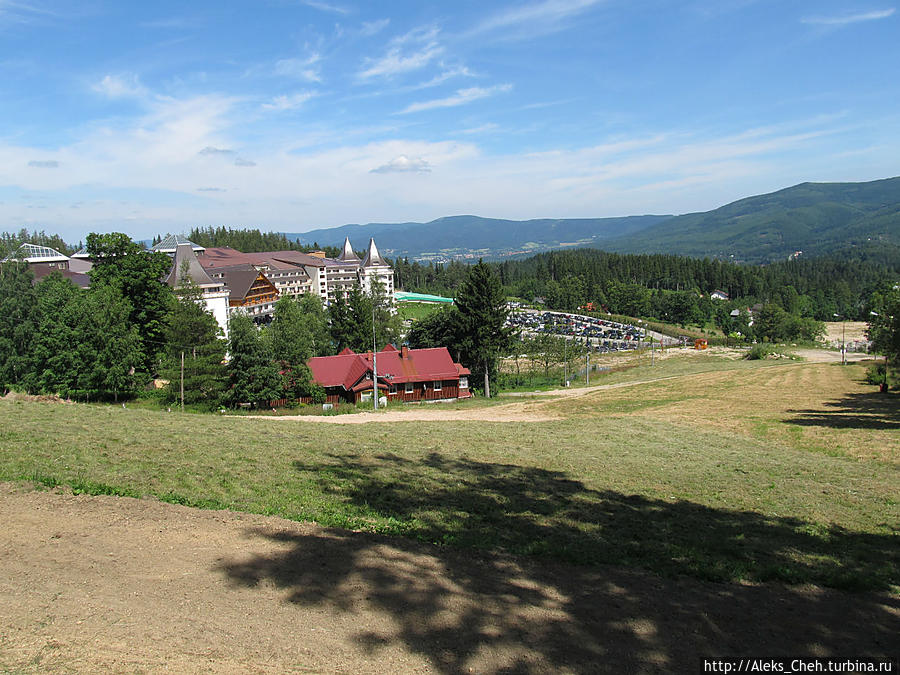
{"x": 456, "y": 237}
{"x": 860, "y": 219}
{"x": 630, "y": 284}
{"x": 816, "y": 218}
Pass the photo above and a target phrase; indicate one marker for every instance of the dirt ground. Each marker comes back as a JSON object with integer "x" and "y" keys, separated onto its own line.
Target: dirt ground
{"x": 850, "y": 331}
{"x": 106, "y": 584}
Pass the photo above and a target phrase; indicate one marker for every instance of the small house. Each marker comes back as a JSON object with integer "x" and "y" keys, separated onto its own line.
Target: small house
{"x": 407, "y": 375}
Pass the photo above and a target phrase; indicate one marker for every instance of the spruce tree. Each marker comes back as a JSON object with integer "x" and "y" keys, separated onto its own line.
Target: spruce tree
{"x": 18, "y": 313}
{"x": 253, "y": 376}
{"x": 483, "y": 334}
{"x": 190, "y": 330}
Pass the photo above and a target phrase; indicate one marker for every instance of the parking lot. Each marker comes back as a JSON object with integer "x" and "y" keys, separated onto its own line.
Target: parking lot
{"x": 600, "y": 335}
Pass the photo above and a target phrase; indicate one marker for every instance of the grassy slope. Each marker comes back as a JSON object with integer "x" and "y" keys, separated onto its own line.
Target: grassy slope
{"x": 783, "y": 472}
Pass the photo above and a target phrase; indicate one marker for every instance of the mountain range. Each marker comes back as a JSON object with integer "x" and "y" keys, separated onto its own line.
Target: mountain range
{"x": 812, "y": 218}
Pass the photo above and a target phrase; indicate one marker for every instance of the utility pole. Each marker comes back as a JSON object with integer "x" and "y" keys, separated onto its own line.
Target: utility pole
{"x": 843, "y": 345}
{"x": 374, "y": 364}
{"x": 587, "y": 367}
{"x": 182, "y": 380}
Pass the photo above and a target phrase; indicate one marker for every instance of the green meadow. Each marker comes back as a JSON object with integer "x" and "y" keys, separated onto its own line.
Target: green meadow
{"x": 705, "y": 467}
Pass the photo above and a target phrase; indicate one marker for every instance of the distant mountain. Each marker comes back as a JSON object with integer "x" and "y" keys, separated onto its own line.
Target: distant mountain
{"x": 817, "y": 218}
{"x": 457, "y": 237}
{"x": 857, "y": 219}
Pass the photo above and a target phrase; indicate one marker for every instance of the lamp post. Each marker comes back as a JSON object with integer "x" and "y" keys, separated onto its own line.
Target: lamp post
{"x": 374, "y": 364}
{"x": 843, "y": 344}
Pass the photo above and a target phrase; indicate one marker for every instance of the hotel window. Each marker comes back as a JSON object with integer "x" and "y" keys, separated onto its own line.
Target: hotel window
{"x": 437, "y": 386}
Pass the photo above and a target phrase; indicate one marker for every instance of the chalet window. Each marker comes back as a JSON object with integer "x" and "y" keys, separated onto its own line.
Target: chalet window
{"x": 437, "y": 386}
{"x": 409, "y": 388}
{"x": 392, "y": 389}
{"x": 463, "y": 382}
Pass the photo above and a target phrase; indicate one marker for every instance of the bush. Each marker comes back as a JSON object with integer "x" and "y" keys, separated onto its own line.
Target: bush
{"x": 876, "y": 374}
{"x": 759, "y": 351}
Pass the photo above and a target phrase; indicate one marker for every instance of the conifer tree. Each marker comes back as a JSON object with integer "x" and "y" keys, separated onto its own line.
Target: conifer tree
{"x": 483, "y": 334}
{"x": 253, "y": 376}
{"x": 18, "y": 306}
{"x": 192, "y": 331}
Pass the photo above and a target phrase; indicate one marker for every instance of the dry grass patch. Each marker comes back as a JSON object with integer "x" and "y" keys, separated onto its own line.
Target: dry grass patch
{"x": 817, "y": 407}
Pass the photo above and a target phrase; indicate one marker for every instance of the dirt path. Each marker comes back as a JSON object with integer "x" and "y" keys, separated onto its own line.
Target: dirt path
{"x": 105, "y": 584}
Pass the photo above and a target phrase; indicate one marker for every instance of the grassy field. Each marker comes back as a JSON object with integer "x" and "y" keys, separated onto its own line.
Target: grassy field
{"x": 417, "y": 310}
{"x": 724, "y": 470}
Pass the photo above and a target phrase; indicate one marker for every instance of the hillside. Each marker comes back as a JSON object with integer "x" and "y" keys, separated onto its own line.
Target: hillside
{"x": 861, "y": 220}
{"x": 457, "y": 237}
{"x": 816, "y": 218}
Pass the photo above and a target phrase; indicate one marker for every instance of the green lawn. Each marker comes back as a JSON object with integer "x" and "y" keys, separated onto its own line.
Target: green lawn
{"x": 417, "y": 310}
{"x": 631, "y": 476}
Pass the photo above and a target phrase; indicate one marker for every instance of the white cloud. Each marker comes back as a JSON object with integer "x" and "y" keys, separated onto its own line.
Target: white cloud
{"x": 373, "y": 27}
{"x": 240, "y": 161}
{"x": 399, "y": 59}
{"x": 481, "y": 129}
{"x": 43, "y": 164}
{"x": 404, "y": 164}
{"x": 461, "y": 97}
{"x": 544, "y": 16}
{"x": 289, "y": 102}
{"x": 121, "y": 86}
{"x": 211, "y": 151}
{"x": 846, "y": 19}
{"x": 300, "y": 69}
{"x": 446, "y": 74}
{"x": 326, "y": 7}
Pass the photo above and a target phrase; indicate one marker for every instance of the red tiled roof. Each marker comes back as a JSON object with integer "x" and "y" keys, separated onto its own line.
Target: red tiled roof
{"x": 421, "y": 365}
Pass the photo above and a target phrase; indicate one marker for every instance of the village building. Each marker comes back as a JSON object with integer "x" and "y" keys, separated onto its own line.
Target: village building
{"x": 170, "y": 243}
{"x": 718, "y": 295}
{"x": 295, "y": 273}
{"x": 43, "y": 261}
{"x": 250, "y": 290}
{"x": 374, "y": 268}
{"x": 404, "y": 375}
{"x": 214, "y": 294}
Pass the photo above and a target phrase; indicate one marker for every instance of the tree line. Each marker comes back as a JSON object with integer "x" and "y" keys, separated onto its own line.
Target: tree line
{"x": 128, "y": 328}
{"x": 250, "y": 240}
{"x": 669, "y": 287}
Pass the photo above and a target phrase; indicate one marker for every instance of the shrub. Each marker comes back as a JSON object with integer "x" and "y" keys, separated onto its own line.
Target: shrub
{"x": 759, "y": 351}
{"x": 876, "y": 373}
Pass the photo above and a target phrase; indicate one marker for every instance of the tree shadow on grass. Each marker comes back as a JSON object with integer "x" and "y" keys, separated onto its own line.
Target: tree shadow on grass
{"x": 854, "y": 411}
{"x": 463, "y": 609}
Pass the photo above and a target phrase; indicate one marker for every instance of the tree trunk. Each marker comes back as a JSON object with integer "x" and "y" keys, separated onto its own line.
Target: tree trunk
{"x": 487, "y": 383}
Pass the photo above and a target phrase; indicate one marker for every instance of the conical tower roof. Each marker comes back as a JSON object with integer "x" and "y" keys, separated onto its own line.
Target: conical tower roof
{"x": 185, "y": 254}
{"x": 373, "y": 257}
{"x": 347, "y": 255}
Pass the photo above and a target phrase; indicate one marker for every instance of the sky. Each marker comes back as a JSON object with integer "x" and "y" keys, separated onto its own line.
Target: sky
{"x": 291, "y": 115}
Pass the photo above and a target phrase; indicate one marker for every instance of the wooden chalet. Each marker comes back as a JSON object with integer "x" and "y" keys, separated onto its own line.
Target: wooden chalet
{"x": 249, "y": 289}
{"x": 407, "y": 375}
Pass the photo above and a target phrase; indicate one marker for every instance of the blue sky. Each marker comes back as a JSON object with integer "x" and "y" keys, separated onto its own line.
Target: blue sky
{"x": 289, "y": 115}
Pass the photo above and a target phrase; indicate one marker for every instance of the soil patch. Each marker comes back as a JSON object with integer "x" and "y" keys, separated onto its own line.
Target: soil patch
{"x": 105, "y": 584}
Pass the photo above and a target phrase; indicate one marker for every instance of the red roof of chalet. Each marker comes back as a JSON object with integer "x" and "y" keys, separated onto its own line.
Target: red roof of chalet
{"x": 419, "y": 365}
